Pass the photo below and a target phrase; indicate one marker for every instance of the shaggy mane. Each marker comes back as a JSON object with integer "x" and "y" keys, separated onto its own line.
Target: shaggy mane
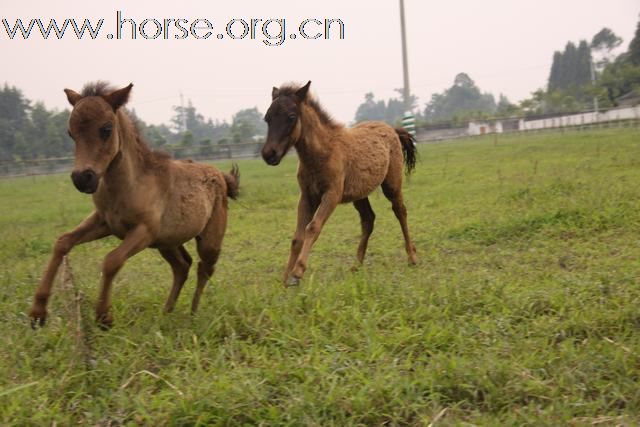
{"x": 97, "y": 88}
{"x": 325, "y": 118}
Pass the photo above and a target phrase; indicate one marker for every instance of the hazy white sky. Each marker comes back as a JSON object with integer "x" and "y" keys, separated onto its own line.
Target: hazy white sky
{"x": 506, "y": 46}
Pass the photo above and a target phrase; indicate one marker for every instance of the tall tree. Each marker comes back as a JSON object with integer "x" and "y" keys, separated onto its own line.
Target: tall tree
{"x": 554, "y": 75}
{"x": 14, "y": 118}
{"x": 602, "y": 46}
{"x": 201, "y": 129}
{"x": 390, "y": 111}
{"x": 568, "y": 66}
{"x": 370, "y": 109}
{"x": 463, "y": 99}
{"x": 583, "y": 64}
{"x": 246, "y": 125}
{"x": 505, "y": 108}
{"x": 634, "y": 47}
{"x": 36, "y": 134}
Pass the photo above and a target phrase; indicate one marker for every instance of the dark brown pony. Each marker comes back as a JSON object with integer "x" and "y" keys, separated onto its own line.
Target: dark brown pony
{"x": 142, "y": 197}
{"x": 336, "y": 165}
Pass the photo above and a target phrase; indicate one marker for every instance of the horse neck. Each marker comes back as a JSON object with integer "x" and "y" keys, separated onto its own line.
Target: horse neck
{"x": 127, "y": 165}
{"x": 312, "y": 144}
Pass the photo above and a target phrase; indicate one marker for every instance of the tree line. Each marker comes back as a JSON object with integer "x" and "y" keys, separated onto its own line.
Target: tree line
{"x": 28, "y": 130}
{"x": 579, "y": 73}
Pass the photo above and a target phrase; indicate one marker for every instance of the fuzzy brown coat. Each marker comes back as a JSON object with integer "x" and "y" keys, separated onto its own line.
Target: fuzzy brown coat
{"x": 144, "y": 198}
{"x": 336, "y": 165}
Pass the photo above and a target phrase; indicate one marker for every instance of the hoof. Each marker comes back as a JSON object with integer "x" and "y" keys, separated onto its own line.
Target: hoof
{"x": 293, "y": 281}
{"x": 38, "y": 317}
{"x": 105, "y": 321}
{"x": 413, "y": 259}
{"x": 38, "y": 322}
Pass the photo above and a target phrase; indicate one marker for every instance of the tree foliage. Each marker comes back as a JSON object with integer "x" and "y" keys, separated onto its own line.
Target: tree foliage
{"x": 390, "y": 111}
{"x": 246, "y": 125}
{"x": 634, "y": 47}
{"x": 31, "y": 131}
{"x": 28, "y": 132}
{"x": 571, "y": 86}
{"x": 619, "y": 78}
{"x": 462, "y": 99}
{"x": 187, "y": 119}
{"x": 570, "y": 68}
{"x": 602, "y": 46}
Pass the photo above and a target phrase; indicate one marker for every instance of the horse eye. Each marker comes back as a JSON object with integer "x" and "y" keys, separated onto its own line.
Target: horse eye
{"x": 292, "y": 117}
{"x": 105, "y": 131}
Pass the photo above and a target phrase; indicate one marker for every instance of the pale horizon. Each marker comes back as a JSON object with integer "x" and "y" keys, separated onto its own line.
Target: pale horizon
{"x": 504, "y": 46}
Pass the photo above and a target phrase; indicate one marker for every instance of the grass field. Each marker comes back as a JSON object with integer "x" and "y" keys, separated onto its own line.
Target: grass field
{"x": 523, "y": 310}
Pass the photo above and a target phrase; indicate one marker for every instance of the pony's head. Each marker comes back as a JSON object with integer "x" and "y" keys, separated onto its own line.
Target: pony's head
{"x": 283, "y": 119}
{"x": 93, "y": 126}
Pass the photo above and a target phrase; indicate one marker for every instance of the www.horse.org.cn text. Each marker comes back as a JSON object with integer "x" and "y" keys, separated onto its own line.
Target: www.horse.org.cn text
{"x": 270, "y": 31}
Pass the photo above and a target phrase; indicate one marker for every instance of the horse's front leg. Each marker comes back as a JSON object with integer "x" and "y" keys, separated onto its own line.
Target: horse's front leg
{"x": 136, "y": 240}
{"x": 327, "y": 205}
{"x": 92, "y": 228}
{"x": 306, "y": 207}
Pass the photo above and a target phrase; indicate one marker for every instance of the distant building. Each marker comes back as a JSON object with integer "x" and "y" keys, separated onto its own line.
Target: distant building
{"x": 482, "y": 127}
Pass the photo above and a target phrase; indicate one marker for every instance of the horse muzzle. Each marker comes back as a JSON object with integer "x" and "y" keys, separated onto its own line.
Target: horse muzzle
{"x": 271, "y": 157}
{"x": 86, "y": 181}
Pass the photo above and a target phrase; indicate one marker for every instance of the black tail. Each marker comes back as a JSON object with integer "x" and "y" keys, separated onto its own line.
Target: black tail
{"x": 233, "y": 181}
{"x": 409, "y": 150}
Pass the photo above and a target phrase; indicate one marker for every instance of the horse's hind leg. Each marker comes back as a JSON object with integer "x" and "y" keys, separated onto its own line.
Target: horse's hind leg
{"x": 209, "y": 245}
{"x": 367, "y": 218}
{"x": 180, "y": 262}
{"x": 392, "y": 189}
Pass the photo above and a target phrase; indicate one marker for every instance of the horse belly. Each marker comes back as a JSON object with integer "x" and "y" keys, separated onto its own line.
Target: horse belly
{"x": 367, "y": 168}
{"x": 184, "y": 220}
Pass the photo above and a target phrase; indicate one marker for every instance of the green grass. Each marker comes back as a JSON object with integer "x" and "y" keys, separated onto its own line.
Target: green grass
{"x": 523, "y": 310}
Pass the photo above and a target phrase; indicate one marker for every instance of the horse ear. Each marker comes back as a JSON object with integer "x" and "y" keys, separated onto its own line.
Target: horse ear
{"x": 301, "y": 93}
{"x": 275, "y": 92}
{"x": 72, "y": 96}
{"x": 119, "y": 97}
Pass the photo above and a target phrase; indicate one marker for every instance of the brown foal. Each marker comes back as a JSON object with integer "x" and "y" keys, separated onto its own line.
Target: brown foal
{"x": 142, "y": 197}
{"x": 336, "y": 165}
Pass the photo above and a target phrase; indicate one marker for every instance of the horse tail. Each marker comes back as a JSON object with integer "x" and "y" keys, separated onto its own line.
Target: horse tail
{"x": 233, "y": 181}
{"x": 409, "y": 149}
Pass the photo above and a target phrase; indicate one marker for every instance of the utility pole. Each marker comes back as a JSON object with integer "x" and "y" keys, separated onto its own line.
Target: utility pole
{"x": 593, "y": 82}
{"x": 406, "y": 92}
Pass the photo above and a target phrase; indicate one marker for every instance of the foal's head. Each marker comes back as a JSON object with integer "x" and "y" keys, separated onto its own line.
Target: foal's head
{"x": 93, "y": 127}
{"x": 283, "y": 118}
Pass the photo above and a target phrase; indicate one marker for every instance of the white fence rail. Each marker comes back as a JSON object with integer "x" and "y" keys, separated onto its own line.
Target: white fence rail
{"x": 628, "y": 113}
{"x": 569, "y": 120}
